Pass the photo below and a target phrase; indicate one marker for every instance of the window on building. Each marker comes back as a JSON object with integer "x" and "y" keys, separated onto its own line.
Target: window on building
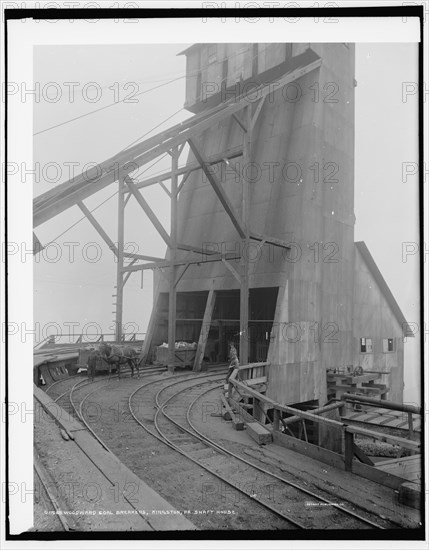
{"x": 366, "y": 345}
{"x": 388, "y": 345}
{"x": 212, "y": 53}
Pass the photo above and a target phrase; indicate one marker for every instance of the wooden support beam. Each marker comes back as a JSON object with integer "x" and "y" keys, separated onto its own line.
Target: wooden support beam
{"x": 150, "y": 329}
{"x": 218, "y": 189}
{"x": 253, "y": 366}
{"x": 237, "y": 422}
{"x": 349, "y": 450}
{"x": 128, "y": 275}
{"x": 180, "y": 150}
{"x": 120, "y": 264}
{"x": 256, "y": 381}
{"x": 98, "y": 227}
{"x": 180, "y": 275}
{"x": 304, "y": 429}
{"x": 270, "y": 240}
{"x": 186, "y": 170}
{"x": 149, "y": 212}
{"x": 410, "y": 426}
{"x": 182, "y": 183}
{"x": 276, "y": 420}
{"x": 161, "y": 183}
{"x": 232, "y": 269}
{"x": 245, "y": 216}
{"x": 239, "y": 122}
{"x": 320, "y": 410}
{"x": 361, "y": 456}
{"x": 172, "y": 302}
{"x": 143, "y": 257}
{"x": 195, "y": 249}
{"x": 286, "y": 408}
{"x": 204, "y": 332}
{"x": 382, "y": 403}
{"x": 127, "y": 199}
{"x": 257, "y": 111}
{"x": 287, "y": 427}
{"x": 166, "y": 263}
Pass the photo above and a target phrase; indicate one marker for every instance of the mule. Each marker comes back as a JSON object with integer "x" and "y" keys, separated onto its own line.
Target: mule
{"x": 115, "y": 355}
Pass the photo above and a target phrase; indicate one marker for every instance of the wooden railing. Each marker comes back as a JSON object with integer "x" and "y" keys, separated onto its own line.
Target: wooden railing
{"x": 240, "y": 383}
{"x": 87, "y": 338}
{"x": 252, "y": 372}
{"x": 383, "y": 404}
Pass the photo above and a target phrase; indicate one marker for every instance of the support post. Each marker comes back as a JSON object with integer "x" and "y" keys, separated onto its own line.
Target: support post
{"x": 120, "y": 264}
{"x": 245, "y": 211}
{"x": 276, "y": 420}
{"x": 205, "y": 329}
{"x": 150, "y": 329}
{"x": 410, "y": 425}
{"x": 348, "y": 450}
{"x": 173, "y": 267}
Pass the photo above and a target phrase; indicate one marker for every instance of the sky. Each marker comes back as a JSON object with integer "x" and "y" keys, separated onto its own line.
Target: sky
{"x": 74, "y": 283}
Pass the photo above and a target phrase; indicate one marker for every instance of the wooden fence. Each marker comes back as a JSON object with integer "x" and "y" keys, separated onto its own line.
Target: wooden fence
{"x": 245, "y": 378}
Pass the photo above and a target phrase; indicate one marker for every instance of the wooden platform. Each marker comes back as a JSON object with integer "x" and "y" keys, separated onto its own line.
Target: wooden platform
{"x": 409, "y": 467}
{"x": 139, "y": 509}
{"x": 383, "y": 417}
{"x": 364, "y": 384}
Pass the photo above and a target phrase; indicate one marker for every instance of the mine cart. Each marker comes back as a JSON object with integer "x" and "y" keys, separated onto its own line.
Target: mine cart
{"x": 184, "y": 354}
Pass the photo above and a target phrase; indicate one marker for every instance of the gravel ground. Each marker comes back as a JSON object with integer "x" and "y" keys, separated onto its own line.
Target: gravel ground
{"x": 205, "y": 500}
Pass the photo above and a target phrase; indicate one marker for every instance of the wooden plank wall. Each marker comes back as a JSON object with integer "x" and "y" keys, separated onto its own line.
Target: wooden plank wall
{"x": 307, "y": 130}
{"x": 374, "y": 319}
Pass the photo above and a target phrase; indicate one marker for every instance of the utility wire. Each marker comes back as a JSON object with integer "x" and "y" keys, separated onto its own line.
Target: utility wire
{"x": 116, "y": 192}
{"x": 193, "y": 73}
{"x": 152, "y": 129}
{"x": 98, "y": 206}
{"x": 102, "y": 108}
{"x": 132, "y": 143}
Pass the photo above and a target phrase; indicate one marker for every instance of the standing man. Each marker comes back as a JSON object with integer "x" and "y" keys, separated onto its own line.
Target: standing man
{"x": 92, "y": 363}
{"x": 233, "y": 357}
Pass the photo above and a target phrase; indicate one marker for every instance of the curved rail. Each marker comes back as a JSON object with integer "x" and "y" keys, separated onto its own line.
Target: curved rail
{"x": 223, "y": 450}
{"x": 59, "y": 382}
{"x": 47, "y": 487}
{"x": 165, "y": 439}
{"x": 195, "y": 433}
{"x": 280, "y": 478}
{"x": 81, "y": 415}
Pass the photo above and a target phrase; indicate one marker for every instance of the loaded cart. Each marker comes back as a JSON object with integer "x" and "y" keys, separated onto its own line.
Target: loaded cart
{"x": 184, "y": 355}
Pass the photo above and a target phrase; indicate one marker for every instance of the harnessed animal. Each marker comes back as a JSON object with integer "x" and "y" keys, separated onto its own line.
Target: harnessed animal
{"x": 115, "y": 355}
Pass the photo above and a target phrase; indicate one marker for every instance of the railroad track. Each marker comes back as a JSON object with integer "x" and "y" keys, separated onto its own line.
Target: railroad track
{"x": 65, "y": 399}
{"x": 46, "y": 483}
{"x": 168, "y": 418}
{"x": 172, "y": 424}
{"x": 341, "y": 506}
{"x": 45, "y": 488}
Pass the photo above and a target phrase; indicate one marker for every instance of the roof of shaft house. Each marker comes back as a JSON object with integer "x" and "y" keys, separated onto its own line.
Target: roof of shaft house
{"x": 384, "y": 287}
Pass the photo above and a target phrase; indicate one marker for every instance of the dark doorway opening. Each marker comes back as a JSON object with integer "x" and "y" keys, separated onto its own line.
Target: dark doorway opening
{"x": 224, "y": 324}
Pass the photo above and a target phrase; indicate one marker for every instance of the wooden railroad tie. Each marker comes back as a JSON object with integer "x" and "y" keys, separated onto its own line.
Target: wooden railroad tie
{"x": 229, "y": 414}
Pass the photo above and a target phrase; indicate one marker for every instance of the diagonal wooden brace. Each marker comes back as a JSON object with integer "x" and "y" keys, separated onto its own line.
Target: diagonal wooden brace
{"x": 218, "y": 189}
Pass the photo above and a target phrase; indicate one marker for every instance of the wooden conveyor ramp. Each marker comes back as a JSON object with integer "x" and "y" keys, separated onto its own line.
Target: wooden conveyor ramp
{"x": 73, "y": 191}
